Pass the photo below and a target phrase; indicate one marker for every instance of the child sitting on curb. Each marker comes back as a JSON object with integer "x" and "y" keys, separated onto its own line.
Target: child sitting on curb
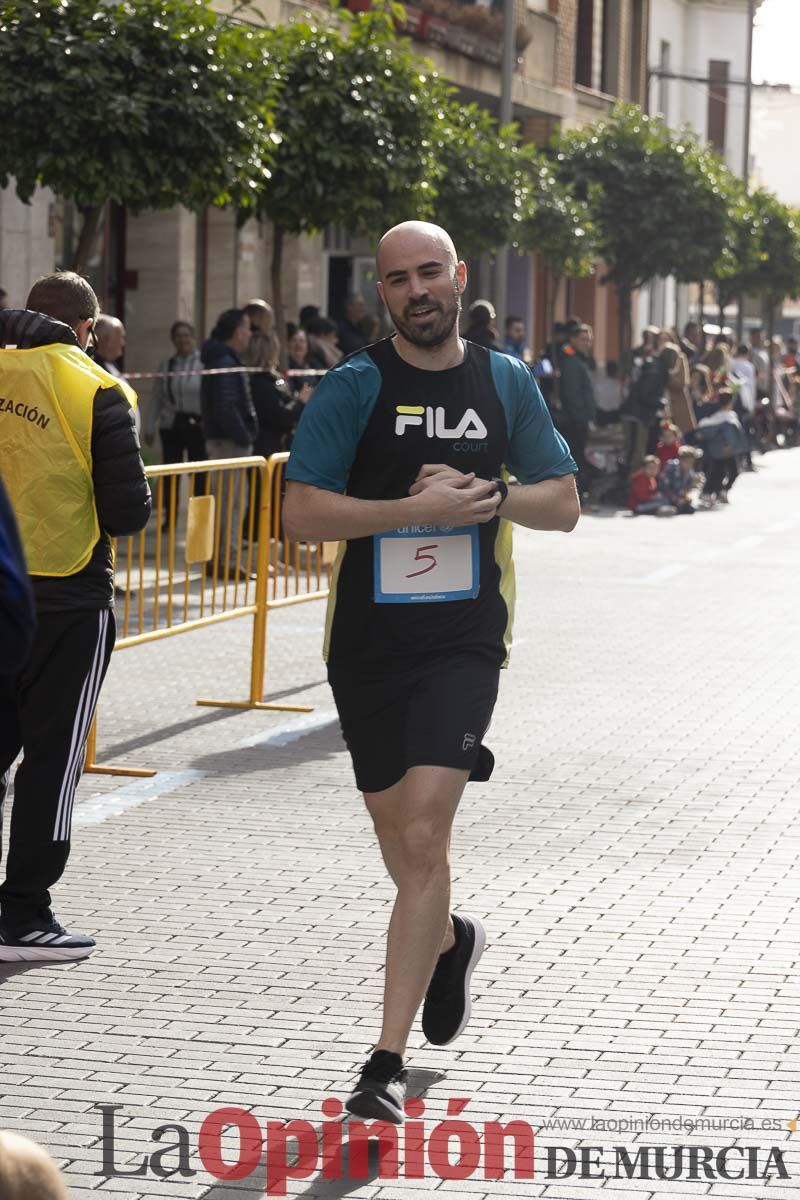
{"x": 669, "y": 443}
{"x": 679, "y": 479}
{"x": 644, "y": 498}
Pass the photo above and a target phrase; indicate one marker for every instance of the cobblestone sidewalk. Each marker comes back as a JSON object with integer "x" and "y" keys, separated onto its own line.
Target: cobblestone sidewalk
{"x": 634, "y": 858}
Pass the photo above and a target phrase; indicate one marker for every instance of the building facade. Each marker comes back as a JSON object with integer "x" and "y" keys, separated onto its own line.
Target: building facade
{"x": 697, "y": 53}
{"x": 575, "y": 58}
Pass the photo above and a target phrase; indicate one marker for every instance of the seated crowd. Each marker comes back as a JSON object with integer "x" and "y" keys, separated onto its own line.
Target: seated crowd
{"x": 692, "y": 413}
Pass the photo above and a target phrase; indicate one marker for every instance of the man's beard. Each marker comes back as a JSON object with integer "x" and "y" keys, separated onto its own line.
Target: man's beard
{"x": 440, "y": 327}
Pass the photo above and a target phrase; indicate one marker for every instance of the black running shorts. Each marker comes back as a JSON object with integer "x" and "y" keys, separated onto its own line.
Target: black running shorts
{"x": 431, "y": 713}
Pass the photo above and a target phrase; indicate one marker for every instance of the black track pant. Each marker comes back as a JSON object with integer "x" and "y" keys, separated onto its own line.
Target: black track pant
{"x": 722, "y": 473}
{"x": 46, "y": 711}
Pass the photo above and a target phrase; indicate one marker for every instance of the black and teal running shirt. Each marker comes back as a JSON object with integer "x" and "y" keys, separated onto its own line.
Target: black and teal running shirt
{"x": 373, "y": 421}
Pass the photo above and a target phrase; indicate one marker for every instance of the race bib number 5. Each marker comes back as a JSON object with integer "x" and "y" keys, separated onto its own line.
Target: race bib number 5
{"x": 426, "y": 563}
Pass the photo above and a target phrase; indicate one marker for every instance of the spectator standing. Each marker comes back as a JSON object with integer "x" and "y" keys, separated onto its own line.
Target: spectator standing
{"x": 75, "y": 479}
{"x": 700, "y": 390}
{"x": 228, "y": 414}
{"x": 744, "y": 372}
{"x": 301, "y": 358}
{"x": 514, "y": 343}
{"x": 608, "y": 389}
{"x": 718, "y": 360}
{"x": 109, "y": 342}
{"x": 481, "y": 328}
{"x": 109, "y": 346}
{"x": 308, "y": 313}
{"x": 323, "y": 340}
{"x": 648, "y": 347}
{"x": 724, "y": 440}
{"x": 229, "y": 418}
{"x": 678, "y": 480}
{"x": 761, "y": 364}
{"x": 351, "y": 335}
{"x": 278, "y": 409}
{"x": 646, "y": 399}
{"x": 679, "y": 401}
{"x": 177, "y": 411}
{"x": 695, "y": 340}
{"x": 576, "y": 393}
{"x": 264, "y": 342}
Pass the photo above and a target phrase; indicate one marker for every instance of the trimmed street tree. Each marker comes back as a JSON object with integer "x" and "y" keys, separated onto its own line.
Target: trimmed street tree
{"x": 357, "y": 113}
{"x": 633, "y": 173}
{"x": 556, "y": 225}
{"x": 479, "y": 188}
{"x": 735, "y": 269}
{"x": 150, "y": 103}
{"x": 705, "y": 212}
{"x": 777, "y": 270}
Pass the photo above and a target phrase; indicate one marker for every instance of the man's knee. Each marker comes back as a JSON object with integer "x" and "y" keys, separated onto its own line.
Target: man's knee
{"x": 420, "y": 846}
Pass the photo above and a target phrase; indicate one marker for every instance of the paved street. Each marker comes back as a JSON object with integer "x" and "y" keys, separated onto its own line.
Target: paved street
{"x": 634, "y": 858}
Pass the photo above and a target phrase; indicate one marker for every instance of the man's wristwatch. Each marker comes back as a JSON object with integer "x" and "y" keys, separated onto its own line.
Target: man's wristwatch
{"x": 502, "y": 488}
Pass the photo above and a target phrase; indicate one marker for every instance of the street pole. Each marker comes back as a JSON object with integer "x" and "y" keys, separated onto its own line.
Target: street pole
{"x": 506, "y": 115}
{"x": 748, "y": 105}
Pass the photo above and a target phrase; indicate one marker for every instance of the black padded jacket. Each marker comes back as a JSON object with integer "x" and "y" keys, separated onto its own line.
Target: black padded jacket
{"x": 121, "y": 492}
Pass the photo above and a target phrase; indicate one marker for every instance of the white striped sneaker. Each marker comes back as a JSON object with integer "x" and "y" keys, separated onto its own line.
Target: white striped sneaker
{"x": 43, "y": 940}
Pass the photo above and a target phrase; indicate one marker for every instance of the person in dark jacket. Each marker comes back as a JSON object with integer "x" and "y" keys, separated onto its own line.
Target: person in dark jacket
{"x": 481, "y": 327}
{"x": 229, "y": 417}
{"x": 47, "y": 706}
{"x": 17, "y": 620}
{"x": 278, "y": 408}
{"x": 351, "y": 335}
{"x": 576, "y": 393}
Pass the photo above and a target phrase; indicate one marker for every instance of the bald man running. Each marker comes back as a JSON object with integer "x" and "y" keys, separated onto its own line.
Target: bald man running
{"x": 403, "y": 455}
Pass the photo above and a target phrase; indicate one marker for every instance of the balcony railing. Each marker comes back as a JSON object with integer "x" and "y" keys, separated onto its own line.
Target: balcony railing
{"x": 469, "y": 29}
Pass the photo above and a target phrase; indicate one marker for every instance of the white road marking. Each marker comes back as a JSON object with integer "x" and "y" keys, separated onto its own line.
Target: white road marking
{"x": 668, "y": 571}
{"x": 110, "y": 804}
{"x": 745, "y": 543}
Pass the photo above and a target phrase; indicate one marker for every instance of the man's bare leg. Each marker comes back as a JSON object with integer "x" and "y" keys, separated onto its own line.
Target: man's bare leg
{"x": 413, "y": 820}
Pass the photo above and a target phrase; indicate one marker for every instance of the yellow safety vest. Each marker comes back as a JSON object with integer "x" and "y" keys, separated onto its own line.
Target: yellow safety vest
{"x": 46, "y": 399}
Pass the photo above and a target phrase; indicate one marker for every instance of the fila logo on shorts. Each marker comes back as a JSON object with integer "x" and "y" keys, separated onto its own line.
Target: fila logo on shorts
{"x": 470, "y": 425}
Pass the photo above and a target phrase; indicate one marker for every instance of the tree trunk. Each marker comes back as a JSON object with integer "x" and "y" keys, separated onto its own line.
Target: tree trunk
{"x": 721, "y": 306}
{"x": 276, "y": 267}
{"x": 701, "y": 316}
{"x": 625, "y": 294}
{"x": 770, "y": 334}
{"x": 550, "y": 293}
{"x": 740, "y": 318}
{"x": 90, "y": 220}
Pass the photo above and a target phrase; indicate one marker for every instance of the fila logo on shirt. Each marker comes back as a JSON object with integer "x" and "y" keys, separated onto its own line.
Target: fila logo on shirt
{"x": 408, "y": 415}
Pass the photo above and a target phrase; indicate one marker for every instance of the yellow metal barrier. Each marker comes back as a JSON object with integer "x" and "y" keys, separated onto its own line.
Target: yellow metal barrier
{"x": 233, "y": 562}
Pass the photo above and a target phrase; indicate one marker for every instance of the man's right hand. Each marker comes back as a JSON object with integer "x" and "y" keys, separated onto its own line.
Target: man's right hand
{"x": 455, "y": 499}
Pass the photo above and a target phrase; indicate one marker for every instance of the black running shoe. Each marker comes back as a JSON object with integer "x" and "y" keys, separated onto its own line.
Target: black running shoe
{"x": 42, "y": 939}
{"x": 448, "y": 1004}
{"x": 380, "y": 1093}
